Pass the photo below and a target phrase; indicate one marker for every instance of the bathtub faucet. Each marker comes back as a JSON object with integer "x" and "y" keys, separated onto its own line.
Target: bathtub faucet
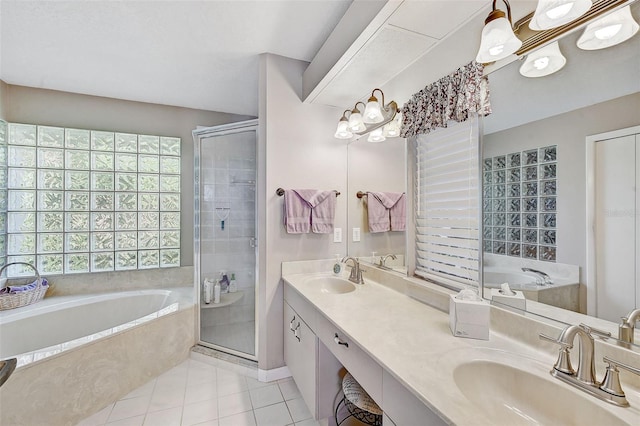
{"x": 383, "y": 260}
{"x": 546, "y": 279}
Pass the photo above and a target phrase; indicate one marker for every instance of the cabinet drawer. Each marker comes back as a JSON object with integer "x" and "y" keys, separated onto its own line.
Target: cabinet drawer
{"x": 362, "y": 367}
{"x": 300, "y": 305}
{"x": 403, "y": 407}
{"x": 300, "y": 355}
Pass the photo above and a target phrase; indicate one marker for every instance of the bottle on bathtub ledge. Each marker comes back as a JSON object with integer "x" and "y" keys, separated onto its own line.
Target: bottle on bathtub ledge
{"x": 208, "y": 290}
{"x": 224, "y": 282}
{"x": 216, "y": 292}
{"x": 233, "y": 286}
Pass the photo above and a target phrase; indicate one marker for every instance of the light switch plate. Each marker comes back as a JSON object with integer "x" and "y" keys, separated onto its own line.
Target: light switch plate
{"x": 356, "y": 234}
{"x": 337, "y": 235}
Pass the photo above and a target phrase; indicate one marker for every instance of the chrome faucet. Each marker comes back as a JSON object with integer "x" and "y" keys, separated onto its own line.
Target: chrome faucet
{"x": 546, "y": 279}
{"x": 383, "y": 259}
{"x": 356, "y": 273}
{"x": 584, "y": 378}
{"x": 628, "y": 325}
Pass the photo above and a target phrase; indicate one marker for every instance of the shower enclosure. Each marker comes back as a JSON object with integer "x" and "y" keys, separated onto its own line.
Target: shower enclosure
{"x": 224, "y": 235}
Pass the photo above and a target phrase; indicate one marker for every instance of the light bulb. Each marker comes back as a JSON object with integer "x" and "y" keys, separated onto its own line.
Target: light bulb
{"x": 372, "y": 112}
{"x": 376, "y": 136}
{"x": 541, "y": 63}
{"x": 559, "y": 11}
{"x": 554, "y": 13}
{"x": 498, "y": 40}
{"x": 342, "y": 132}
{"x": 607, "y": 32}
{"x": 544, "y": 61}
{"x": 355, "y": 122}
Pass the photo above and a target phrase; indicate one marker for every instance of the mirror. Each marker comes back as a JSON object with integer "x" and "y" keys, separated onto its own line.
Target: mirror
{"x": 536, "y": 157}
{"x": 375, "y": 167}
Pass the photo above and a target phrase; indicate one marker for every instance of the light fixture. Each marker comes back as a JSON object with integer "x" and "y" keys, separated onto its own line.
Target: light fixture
{"x": 356, "y": 124}
{"x": 554, "y": 13}
{"x": 392, "y": 129}
{"x": 376, "y": 136}
{"x": 372, "y": 112}
{"x": 609, "y": 30}
{"x": 343, "y": 132}
{"x": 544, "y": 61}
{"x": 498, "y": 40}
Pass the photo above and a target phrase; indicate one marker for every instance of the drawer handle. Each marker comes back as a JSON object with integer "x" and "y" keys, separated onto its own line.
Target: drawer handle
{"x": 291, "y": 323}
{"x": 295, "y": 332}
{"x": 338, "y": 341}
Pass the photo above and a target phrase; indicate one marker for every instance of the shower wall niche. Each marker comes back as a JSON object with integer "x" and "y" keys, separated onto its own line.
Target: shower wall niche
{"x": 225, "y": 222}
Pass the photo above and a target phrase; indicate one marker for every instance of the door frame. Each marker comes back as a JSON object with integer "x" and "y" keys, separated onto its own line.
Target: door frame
{"x": 591, "y": 140}
{"x": 198, "y": 135}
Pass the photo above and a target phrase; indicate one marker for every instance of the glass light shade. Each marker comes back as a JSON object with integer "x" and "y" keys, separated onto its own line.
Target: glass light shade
{"x": 355, "y": 122}
{"x": 498, "y": 41}
{"x": 609, "y": 30}
{"x": 372, "y": 112}
{"x": 544, "y": 61}
{"x": 342, "y": 132}
{"x": 376, "y": 136}
{"x": 554, "y": 13}
{"x": 392, "y": 128}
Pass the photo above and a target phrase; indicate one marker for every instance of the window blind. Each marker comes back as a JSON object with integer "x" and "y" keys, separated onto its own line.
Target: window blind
{"x": 447, "y": 204}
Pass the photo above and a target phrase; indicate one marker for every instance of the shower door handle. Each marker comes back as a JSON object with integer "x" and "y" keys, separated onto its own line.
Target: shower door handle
{"x": 252, "y": 242}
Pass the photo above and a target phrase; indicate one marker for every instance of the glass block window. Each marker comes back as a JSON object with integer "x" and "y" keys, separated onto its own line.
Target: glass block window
{"x": 520, "y": 204}
{"x": 90, "y": 201}
{"x": 4, "y": 180}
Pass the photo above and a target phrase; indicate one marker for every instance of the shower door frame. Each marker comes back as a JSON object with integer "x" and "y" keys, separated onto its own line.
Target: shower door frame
{"x": 198, "y": 135}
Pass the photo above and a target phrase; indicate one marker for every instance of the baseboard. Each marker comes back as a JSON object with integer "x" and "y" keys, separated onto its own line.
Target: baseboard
{"x": 273, "y": 374}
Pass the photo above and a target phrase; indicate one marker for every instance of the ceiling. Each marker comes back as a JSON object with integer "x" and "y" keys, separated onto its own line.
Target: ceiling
{"x": 195, "y": 54}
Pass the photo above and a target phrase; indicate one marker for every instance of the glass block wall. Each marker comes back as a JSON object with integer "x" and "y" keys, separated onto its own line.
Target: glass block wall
{"x": 520, "y": 204}
{"x": 91, "y": 201}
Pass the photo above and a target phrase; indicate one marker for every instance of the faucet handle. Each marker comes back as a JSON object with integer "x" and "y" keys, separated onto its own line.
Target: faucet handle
{"x": 611, "y": 381}
{"x": 595, "y": 331}
{"x": 563, "y": 363}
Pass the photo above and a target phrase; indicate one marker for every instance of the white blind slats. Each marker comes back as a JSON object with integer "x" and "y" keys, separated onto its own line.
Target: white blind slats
{"x": 447, "y": 204}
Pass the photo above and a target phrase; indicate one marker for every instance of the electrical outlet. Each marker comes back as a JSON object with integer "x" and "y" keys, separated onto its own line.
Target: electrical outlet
{"x": 337, "y": 235}
{"x": 356, "y": 234}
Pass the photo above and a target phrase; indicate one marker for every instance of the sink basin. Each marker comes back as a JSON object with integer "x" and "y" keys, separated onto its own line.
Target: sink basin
{"x": 515, "y": 396}
{"x": 331, "y": 285}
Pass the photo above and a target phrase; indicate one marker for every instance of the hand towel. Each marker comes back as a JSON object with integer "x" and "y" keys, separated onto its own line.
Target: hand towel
{"x": 380, "y": 206}
{"x": 297, "y": 213}
{"x": 323, "y": 209}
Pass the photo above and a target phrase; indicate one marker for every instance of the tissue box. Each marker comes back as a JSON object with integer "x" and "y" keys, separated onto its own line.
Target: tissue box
{"x": 517, "y": 301}
{"x": 469, "y": 318}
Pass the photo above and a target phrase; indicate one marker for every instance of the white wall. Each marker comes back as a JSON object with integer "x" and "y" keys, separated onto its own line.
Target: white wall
{"x": 296, "y": 150}
{"x": 3, "y": 99}
{"x": 63, "y": 109}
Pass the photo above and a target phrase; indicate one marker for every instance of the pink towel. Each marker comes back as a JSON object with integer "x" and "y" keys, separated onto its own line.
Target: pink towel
{"x": 309, "y": 209}
{"x": 297, "y": 213}
{"x": 386, "y": 211}
{"x": 323, "y": 209}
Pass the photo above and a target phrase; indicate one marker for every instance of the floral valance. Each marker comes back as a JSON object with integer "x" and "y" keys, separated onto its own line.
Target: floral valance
{"x": 453, "y": 97}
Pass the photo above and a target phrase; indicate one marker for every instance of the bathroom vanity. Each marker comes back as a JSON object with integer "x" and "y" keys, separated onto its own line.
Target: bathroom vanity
{"x": 403, "y": 354}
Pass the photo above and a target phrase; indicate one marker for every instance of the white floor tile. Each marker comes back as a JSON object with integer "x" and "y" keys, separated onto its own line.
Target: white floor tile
{"x": 268, "y": 395}
{"x": 273, "y": 415}
{"x": 208, "y": 423}
{"x": 231, "y": 383}
{"x": 243, "y": 419}
{"x": 234, "y": 404}
{"x": 131, "y": 407}
{"x": 170, "y": 417}
{"x": 200, "y": 392}
{"x": 166, "y": 397}
{"x": 98, "y": 418}
{"x": 298, "y": 410}
{"x": 308, "y": 422}
{"x": 199, "y": 412}
{"x": 289, "y": 389}
{"x": 255, "y": 384}
{"x": 146, "y": 389}
{"x": 173, "y": 379}
{"x": 131, "y": 421}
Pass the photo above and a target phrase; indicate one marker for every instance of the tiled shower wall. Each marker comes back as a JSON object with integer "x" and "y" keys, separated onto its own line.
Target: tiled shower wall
{"x": 228, "y": 175}
{"x": 520, "y": 204}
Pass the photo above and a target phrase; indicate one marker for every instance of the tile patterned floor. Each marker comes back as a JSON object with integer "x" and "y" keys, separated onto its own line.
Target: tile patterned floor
{"x": 197, "y": 393}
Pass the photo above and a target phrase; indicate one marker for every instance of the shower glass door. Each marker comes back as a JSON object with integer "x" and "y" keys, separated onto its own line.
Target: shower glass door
{"x": 225, "y": 229}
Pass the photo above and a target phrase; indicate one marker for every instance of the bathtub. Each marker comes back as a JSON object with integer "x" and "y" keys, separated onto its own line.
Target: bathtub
{"x": 76, "y": 354}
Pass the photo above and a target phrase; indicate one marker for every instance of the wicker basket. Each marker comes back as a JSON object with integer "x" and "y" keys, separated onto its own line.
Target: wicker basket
{"x": 12, "y": 301}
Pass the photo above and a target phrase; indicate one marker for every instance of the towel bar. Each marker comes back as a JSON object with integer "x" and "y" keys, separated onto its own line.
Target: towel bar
{"x": 280, "y": 192}
{"x": 361, "y": 194}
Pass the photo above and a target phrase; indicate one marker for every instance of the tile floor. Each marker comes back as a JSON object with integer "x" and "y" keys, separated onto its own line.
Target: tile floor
{"x": 197, "y": 393}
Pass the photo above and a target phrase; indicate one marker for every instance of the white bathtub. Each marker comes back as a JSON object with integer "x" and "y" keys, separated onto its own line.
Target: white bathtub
{"x": 78, "y": 354}
{"x": 57, "y": 324}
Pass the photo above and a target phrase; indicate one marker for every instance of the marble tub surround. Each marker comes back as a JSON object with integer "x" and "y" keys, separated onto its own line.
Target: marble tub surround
{"x": 101, "y": 282}
{"x": 68, "y": 387}
{"x": 412, "y": 342}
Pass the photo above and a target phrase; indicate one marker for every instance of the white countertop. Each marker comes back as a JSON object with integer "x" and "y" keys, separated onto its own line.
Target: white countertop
{"x": 413, "y": 342}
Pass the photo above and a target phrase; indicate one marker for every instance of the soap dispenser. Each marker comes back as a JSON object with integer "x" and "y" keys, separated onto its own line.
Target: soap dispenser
{"x": 337, "y": 266}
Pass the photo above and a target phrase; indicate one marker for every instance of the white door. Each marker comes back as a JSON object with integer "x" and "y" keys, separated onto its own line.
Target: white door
{"x": 617, "y": 236}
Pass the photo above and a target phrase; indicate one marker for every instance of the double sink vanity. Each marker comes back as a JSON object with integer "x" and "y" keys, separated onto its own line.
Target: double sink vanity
{"x": 392, "y": 334}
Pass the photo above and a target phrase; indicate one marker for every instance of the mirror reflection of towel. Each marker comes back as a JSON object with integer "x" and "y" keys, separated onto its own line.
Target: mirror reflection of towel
{"x": 309, "y": 210}
{"x": 386, "y": 211}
